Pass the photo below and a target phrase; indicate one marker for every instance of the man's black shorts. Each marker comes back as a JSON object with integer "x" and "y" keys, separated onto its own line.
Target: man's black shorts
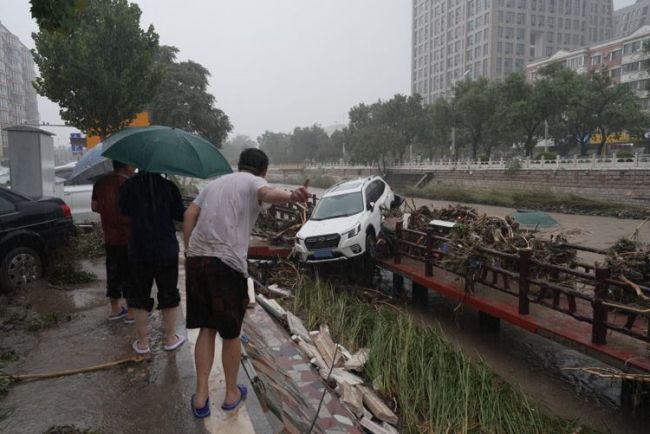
{"x": 217, "y": 296}
{"x": 143, "y": 275}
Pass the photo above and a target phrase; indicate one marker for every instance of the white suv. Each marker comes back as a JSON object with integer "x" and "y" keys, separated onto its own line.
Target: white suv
{"x": 345, "y": 222}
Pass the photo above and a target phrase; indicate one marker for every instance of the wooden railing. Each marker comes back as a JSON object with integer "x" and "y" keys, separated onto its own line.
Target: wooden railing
{"x": 533, "y": 281}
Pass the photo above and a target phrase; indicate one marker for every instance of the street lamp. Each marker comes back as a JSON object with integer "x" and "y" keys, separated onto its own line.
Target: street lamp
{"x": 453, "y": 128}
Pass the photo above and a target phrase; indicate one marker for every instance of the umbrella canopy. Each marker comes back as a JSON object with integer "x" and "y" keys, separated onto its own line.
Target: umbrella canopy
{"x": 169, "y": 150}
{"x": 534, "y": 219}
{"x": 90, "y": 166}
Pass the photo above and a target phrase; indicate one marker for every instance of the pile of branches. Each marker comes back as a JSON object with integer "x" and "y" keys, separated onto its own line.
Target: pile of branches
{"x": 283, "y": 273}
{"x": 629, "y": 262}
{"x": 280, "y": 223}
{"x": 464, "y": 251}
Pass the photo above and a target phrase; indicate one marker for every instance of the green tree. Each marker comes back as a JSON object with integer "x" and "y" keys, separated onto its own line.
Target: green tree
{"x": 404, "y": 120}
{"x": 621, "y": 112}
{"x": 474, "y": 103}
{"x": 374, "y": 143}
{"x": 408, "y": 118}
{"x": 309, "y": 143}
{"x": 182, "y": 99}
{"x": 277, "y": 146}
{"x": 56, "y": 15}
{"x": 103, "y": 72}
{"x": 441, "y": 119}
{"x": 233, "y": 147}
{"x": 523, "y": 107}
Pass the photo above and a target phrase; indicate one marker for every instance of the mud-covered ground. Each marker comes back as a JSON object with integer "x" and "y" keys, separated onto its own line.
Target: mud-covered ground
{"x": 49, "y": 330}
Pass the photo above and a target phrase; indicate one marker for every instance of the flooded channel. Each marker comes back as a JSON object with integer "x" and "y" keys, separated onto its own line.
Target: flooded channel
{"x": 533, "y": 363}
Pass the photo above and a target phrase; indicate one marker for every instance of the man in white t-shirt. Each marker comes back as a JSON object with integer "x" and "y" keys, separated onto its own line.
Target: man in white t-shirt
{"x": 217, "y": 228}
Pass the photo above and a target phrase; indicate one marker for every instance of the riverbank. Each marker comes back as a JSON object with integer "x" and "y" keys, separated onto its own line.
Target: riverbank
{"x": 542, "y": 200}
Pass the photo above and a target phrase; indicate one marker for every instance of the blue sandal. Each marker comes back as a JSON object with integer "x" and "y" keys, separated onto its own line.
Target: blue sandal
{"x": 121, "y": 314}
{"x": 202, "y": 412}
{"x": 243, "y": 391}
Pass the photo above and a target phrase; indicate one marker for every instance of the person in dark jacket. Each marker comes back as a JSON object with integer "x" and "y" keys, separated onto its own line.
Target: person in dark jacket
{"x": 115, "y": 228}
{"x": 153, "y": 203}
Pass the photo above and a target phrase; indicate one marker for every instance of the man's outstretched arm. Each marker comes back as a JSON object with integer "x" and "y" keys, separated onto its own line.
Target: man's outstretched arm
{"x": 189, "y": 222}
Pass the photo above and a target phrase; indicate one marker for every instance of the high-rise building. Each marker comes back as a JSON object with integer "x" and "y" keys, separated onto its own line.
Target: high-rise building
{"x": 455, "y": 39}
{"x": 17, "y": 95}
{"x": 629, "y": 19}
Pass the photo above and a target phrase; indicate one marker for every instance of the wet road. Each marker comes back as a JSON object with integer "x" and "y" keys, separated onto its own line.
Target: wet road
{"x": 152, "y": 396}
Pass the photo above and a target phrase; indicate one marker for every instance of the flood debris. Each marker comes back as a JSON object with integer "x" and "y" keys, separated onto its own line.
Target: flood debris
{"x": 336, "y": 366}
{"x": 280, "y": 223}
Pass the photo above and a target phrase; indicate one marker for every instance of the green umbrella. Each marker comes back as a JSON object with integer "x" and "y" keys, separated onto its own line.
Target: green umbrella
{"x": 169, "y": 150}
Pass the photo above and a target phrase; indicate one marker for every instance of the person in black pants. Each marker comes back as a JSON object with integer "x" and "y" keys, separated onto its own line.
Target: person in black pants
{"x": 153, "y": 203}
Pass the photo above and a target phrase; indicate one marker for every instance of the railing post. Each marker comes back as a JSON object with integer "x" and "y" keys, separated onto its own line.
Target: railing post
{"x": 524, "y": 284}
{"x": 593, "y": 161}
{"x": 599, "y": 325}
{"x": 575, "y": 160}
{"x": 615, "y": 160}
{"x": 428, "y": 260}
{"x": 557, "y": 161}
{"x": 636, "y": 159}
{"x": 398, "y": 239}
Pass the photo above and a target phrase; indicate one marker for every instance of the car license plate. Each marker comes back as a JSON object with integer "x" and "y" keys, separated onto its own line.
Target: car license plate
{"x": 323, "y": 254}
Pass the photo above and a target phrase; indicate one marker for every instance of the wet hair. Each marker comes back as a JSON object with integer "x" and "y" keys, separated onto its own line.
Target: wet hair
{"x": 117, "y": 165}
{"x": 254, "y": 161}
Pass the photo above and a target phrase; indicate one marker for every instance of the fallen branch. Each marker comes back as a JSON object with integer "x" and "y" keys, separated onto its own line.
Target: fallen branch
{"x": 26, "y": 377}
{"x": 612, "y": 373}
{"x": 634, "y": 286}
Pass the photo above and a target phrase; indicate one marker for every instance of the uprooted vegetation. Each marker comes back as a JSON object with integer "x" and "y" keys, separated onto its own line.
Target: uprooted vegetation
{"x": 430, "y": 384}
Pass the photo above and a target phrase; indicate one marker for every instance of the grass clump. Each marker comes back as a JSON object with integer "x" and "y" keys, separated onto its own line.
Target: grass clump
{"x": 436, "y": 388}
{"x": 543, "y": 200}
{"x": 46, "y": 321}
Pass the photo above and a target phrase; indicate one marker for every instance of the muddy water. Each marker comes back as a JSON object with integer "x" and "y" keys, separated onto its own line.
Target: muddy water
{"x": 532, "y": 362}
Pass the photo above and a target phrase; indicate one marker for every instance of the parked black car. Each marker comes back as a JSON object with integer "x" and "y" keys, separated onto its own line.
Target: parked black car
{"x": 29, "y": 231}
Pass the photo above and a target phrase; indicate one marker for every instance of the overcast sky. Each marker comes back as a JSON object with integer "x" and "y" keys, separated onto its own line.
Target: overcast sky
{"x": 277, "y": 64}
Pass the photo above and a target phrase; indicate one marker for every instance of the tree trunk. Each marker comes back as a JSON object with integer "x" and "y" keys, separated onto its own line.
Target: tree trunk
{"x": 529, "y": 144}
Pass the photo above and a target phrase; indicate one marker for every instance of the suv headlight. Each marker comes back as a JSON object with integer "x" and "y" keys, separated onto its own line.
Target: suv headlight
{"x": 298, "y": 240}
{"x": 354, "y": 232}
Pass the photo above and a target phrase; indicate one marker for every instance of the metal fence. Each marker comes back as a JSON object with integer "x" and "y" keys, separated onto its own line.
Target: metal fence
{"x": 612, "y": 162}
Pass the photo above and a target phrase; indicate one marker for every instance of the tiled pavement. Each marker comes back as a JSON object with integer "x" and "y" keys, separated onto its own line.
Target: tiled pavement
{"x": 293, "y": 389}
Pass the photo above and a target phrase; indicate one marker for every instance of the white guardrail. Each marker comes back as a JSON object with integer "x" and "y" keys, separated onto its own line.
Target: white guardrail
{"x": 638, "y": 161}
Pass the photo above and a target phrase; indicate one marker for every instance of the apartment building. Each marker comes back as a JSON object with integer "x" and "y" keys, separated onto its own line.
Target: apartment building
{"x": 456, "y": 39}
{"x": 624, "y": 59}
{"x": 629, "y": 19}
{"x": 17, "y": 95}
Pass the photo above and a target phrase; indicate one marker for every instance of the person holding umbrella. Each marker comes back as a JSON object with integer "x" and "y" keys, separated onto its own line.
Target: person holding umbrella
{"x": 216, "y": 232}
{"x": 153, "y": 203}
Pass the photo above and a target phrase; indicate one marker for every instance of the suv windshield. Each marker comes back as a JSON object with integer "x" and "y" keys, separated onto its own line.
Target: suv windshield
{"x": 338, "y": 206}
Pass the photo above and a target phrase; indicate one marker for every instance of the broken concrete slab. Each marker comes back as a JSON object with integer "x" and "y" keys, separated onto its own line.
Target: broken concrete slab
{"x": 352, "y": 397}
{"x": 358, "y": 360}
{"x": 376, "y": 405}
{"x": 297, "y": 327}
